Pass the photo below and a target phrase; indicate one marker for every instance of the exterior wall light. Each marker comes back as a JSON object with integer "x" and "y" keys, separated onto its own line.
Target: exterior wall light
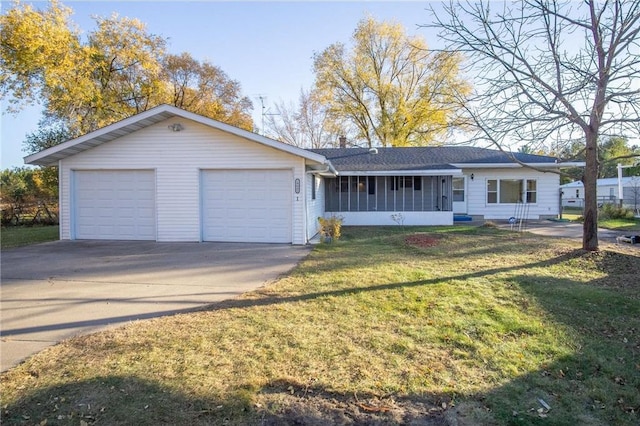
{"x": 176, "y": 127}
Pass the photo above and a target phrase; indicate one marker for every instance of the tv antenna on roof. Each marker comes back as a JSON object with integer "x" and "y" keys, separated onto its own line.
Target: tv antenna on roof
{"x": 265, "y": 111}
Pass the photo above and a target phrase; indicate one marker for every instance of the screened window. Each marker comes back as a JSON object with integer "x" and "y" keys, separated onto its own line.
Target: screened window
{"x": 414, "y": 182}
{"x": 417, "y": 183}
{"x": 372, "y": 185}
{"x": 313, "y": 187}
{"x": 358, "y": 184}
{"x": 343, "y": 184}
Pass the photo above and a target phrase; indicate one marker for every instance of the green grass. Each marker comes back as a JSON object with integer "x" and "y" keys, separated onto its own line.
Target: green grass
{"x": 17, "y": 236}
{"x": 475, "y": 329}
{"x": 631, "y": 225}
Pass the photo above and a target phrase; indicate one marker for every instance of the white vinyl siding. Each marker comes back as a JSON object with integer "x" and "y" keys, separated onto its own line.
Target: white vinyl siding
{"x": 114, "y": 204}
{"x": 246, "y": 206}
{"x": 543, "y": 195}
{"x": 315, "y": 207}
{"x": 178, "y": 158}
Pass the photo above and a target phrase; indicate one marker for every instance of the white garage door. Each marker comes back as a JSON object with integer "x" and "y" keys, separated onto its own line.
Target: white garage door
{"x": 115, "y": 204}
{"x": 246, "y": 206}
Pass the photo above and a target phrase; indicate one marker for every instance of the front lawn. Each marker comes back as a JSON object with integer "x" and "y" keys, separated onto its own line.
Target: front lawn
{"x": 16, "y": 236}
{"x": 455, "y": 325}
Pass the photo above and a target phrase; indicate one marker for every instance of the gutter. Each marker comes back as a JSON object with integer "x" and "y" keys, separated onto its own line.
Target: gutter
{"x": 329, "y": 168}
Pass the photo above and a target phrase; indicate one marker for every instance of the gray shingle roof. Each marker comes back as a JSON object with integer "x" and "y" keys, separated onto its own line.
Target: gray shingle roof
{"x": 420, "y": 158}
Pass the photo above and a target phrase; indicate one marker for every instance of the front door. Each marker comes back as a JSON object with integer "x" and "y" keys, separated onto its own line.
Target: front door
{"x": 459, "y": 195}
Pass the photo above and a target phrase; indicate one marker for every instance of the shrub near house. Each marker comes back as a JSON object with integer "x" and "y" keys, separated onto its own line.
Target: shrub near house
{"x": 29, "y": 196}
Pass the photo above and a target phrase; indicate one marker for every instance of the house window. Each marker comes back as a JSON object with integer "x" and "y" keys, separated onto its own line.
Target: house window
{"x": 532, "y": 191}
{"x": 511, "y": 191}
{"x": 492, "y": 191}
{"x": 458, "y": 189}
{"x": 577, "y": 193}
{"x": 313, "y": 187}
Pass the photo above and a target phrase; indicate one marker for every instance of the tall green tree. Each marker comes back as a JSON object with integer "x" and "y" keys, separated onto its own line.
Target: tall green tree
{"x": 389, "y": 86}
{"x": 614, "y": 151}
{"x": 545, "y": 70}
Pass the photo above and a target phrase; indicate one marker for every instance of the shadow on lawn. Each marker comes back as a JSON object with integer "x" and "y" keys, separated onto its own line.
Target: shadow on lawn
{"x": 121, "y": 400}
{"x": 598, "y": 384}
{"x": 264, "y": 298}
{"x": 129, "y": 400}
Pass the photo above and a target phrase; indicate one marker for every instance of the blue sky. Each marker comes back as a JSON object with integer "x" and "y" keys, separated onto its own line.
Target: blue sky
{"x": 266, "y": 45}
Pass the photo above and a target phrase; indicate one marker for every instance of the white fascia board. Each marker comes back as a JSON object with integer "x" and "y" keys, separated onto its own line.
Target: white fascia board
{"x": 38, "y": 156}
{"x": 516, "y": 165}
{"x": 440, "y": 172}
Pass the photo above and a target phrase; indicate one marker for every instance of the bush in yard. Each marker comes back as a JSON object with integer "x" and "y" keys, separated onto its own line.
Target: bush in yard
{"x": 330, "y": 228}
{"x": 614, "y": 211}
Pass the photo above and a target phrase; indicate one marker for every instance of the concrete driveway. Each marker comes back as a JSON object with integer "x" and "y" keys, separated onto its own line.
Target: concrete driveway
{"x": 53, "y": 291}
{"x": 565, "y": 230}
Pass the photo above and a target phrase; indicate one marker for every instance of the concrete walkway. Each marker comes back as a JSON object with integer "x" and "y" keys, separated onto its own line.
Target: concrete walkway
{"x": 57, "y": 290}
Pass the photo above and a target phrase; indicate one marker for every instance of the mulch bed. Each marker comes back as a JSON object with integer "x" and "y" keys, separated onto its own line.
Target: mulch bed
{"x": 421, "y": 240}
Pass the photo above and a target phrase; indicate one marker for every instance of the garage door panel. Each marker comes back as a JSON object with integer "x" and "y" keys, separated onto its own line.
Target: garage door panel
{"x": 115, "y": 204}
{"x": 246, "y": 205}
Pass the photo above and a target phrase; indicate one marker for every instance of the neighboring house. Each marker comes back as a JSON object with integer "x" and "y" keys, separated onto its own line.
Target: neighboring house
{"x": 170, "y": 175}
{"x": 607, "y": 192}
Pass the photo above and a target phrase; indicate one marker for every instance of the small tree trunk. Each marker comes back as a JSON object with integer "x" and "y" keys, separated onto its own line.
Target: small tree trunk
{"x": 589, "y": 179}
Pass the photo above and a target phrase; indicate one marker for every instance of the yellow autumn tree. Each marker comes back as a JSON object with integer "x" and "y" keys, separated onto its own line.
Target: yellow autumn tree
{"x": 389, "y": 86}
{"x": 117, "y": 71}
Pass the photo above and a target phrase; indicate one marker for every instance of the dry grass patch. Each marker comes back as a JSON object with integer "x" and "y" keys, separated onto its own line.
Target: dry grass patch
{"x": 370, "y": 330}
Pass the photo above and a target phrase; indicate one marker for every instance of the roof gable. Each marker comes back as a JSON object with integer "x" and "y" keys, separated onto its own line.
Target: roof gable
{"x": 147, "y": 118}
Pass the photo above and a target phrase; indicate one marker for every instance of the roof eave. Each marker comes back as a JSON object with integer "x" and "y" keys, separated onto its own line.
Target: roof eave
{"x": 434, "y": 172}
{"x": 516, "y": 165}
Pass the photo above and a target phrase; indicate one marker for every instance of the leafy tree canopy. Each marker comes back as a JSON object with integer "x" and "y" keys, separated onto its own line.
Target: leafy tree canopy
{"x": 389, "y": 87}
{"x": 120, "y": 70}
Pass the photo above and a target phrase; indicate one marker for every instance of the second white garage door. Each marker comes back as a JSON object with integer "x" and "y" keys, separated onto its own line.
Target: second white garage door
{"x": 247, "y": 206}
{"x": 115, "y": 204}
